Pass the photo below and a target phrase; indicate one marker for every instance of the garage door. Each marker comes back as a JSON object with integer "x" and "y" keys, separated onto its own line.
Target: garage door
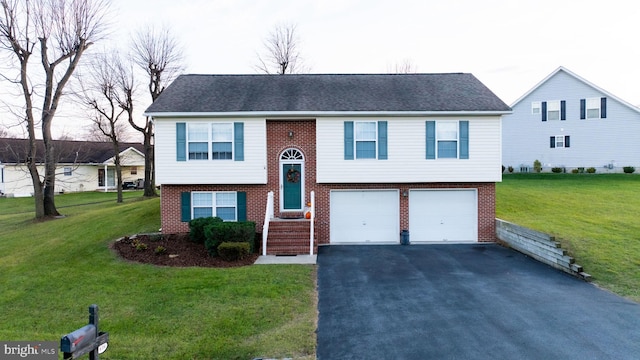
{"x": 367, "y": 216}
{"x": 443, "y": 215}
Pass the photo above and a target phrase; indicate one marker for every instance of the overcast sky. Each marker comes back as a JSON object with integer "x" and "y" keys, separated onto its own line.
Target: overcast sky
{"x": 510, "y": 45}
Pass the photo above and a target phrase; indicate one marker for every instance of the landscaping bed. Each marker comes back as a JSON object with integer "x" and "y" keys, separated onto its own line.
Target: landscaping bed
{"x": 172, "y": 250}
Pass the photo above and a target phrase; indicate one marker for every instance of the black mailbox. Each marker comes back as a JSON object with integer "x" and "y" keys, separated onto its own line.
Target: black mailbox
{"x": 79, "y": 339}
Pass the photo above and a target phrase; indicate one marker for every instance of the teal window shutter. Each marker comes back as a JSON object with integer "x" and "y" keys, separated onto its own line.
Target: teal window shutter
{"x": 348, "y": 140}
{"x": 431, "y": 139}
{"x": 181, "y": 141}
{"x": 464, "y": 139}
{"x": 238, "y": 141}
{"x": 382, "y": 140}
{"x": 185, "y": 206}
{"x": 242, "y": 205}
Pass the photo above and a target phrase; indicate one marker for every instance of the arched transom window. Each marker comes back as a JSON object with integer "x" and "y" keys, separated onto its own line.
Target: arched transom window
{"x": 292, "y": 154}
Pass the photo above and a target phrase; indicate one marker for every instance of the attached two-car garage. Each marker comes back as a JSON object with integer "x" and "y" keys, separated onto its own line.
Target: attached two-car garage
{"x": 373, "y": 216}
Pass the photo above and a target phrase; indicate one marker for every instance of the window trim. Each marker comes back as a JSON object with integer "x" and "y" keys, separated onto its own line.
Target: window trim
{"x": 214, "y": 205}
{"x": 67, "y": 171}
{"x": 134, "y": 170}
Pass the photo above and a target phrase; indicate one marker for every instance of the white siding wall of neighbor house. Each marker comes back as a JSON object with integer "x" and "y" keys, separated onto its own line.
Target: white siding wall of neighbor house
{"x": 593, "y": 142}
{"x": 253, "y": 170}
{"x": 83, "y": 178}
{"x": 406, "y": 160}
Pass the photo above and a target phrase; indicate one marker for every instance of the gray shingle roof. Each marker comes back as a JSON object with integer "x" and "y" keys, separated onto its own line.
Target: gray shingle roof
{"x": 327, "y": 92}
{"x": 69, "y": 151}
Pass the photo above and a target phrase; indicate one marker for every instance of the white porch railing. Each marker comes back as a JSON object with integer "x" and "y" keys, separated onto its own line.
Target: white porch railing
{"x": 312, "y": 209}
{"x": 268, "y": 215}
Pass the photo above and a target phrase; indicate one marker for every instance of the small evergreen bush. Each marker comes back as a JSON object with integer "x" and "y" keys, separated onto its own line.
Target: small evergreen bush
{"x": 575, "y": 171}
{"x": 510, "y": 168}
{"x": 219, "y": 232}
{"x": 628, "y": 169}
{"x": 232, "y": 251}
{"x": 591, "y": 170}
{"x": 537, "y": 166}
{"x": 196, "y": 228}
{"x": 557, "y": 170}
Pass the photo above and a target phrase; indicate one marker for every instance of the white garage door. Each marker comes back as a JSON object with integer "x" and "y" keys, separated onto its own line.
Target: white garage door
{"x": 443, "y": 215}
{"x": 367, "y": 216}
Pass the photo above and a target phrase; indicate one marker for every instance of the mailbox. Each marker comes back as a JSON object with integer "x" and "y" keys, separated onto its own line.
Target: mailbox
{"x": 86, "y": 340}
{"x": 79, "y": 339}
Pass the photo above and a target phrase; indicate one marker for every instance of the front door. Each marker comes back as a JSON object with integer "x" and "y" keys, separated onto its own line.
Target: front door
{"x": 292, "y": 187}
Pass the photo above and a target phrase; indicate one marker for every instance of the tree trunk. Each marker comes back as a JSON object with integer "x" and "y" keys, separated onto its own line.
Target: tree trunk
{"x": 118, "y": 176}
{"x": 149, "y": 180}
{"x": 49, "y": 169}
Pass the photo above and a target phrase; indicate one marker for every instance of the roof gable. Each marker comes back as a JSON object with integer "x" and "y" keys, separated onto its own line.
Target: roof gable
{"x": 326, "y": 93}
{"x": 578, "y": 78}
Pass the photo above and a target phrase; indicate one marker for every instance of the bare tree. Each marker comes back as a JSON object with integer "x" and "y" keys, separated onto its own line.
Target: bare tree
{"x": 60, "y": 31}
{"x": 109, "y": 96}
{"x": 159, "y": 54}
{"x": 405, "y": 67}
{"x": 281, "y": 51}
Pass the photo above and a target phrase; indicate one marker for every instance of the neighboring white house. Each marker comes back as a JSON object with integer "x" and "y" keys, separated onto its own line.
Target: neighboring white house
{"x": 382, "y": 153}
{"x": 567, "y": 122}
{"x": 82, "y": 166}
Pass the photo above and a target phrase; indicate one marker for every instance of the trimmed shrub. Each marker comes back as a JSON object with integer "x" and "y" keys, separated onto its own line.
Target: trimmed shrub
{"x": 510, "y": 168}
{"x": 574, "y": 171}
{"x": 219, "y": 232}
{"x": 628, "y": 169}
{"x": 591, "y": 170}
{"x": 557, "y": 170}
{"x": 232, "y": 251}
{"x": 196, "y": 228}
{"x": 537, "y": 166}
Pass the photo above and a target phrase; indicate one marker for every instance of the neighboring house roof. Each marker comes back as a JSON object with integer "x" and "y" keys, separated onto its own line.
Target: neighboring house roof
{"x": 570, "y": 73}
{"x": 326, "y": 93}
{"x": 69, "y": 152}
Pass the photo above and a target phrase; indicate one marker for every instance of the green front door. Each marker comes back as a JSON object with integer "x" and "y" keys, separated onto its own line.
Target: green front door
{"x": 292, "y": 186}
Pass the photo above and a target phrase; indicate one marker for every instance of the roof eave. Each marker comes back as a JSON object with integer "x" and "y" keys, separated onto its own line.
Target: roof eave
{"x": 314, "y": 114}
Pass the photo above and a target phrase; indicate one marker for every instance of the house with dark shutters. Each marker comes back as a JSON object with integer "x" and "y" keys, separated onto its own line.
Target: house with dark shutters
{"x": 567, "y": 122}
{"x": 331, "y": 159}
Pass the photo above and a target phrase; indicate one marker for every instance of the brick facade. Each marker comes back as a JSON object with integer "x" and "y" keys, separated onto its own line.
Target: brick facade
{"x": 304, "y": 139}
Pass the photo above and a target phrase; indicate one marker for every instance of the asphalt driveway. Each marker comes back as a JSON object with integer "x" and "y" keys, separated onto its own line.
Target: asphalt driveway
{"x": 468, "y": 301}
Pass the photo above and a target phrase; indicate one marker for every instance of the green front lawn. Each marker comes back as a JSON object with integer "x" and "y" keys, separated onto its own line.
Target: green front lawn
{"x": 594, "y": 216}
{"x": 50, "y": 272}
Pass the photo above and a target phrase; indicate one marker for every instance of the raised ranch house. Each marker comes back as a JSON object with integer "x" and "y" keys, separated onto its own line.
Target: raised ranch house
{"x": 367, "y": 156}
{"x": 82, "y": 166}
{"x": 569, "y": 123}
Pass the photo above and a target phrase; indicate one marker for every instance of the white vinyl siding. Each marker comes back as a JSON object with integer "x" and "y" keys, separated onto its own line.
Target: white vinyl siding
{"x": 406, "y": 142}
{"x": 252, "y": 170}
{"x": 526, "y": 138}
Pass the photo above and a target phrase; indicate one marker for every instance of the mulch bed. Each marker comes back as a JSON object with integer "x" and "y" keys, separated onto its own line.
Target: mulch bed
{"x": 180, "y": 252}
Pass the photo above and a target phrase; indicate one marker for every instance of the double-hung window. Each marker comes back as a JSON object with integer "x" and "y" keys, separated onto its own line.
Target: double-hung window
{"x": 553, "y": 110}
{"x": 198, "y": 141}
{"x": 366, "y": 139}
{"x": 447, "y": 139}
{"x": 535, "y": 107}
{"x": 220, "y": 204}
{"x": 593, "y": 108}
{"x": 68, "y": 171}
{"x": 221, "y": 141}
{"x": 560, "y": 141}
